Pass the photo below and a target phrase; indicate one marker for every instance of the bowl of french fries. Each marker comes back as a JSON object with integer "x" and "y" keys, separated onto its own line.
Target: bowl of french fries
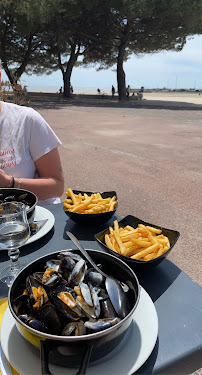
{"x": 93, "y": 208}
{"x": 138, "y": 243}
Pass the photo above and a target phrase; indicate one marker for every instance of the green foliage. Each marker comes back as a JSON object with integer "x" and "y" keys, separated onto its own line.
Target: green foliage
{"x": 153, "y": 26}
{"x": 40, "y": 36}
{"x": 20, "y": 26}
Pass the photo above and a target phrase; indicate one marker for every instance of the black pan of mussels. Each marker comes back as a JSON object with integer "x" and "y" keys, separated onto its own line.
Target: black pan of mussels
{"x": 61, "y": 307}
{"x": 20, "y": 195}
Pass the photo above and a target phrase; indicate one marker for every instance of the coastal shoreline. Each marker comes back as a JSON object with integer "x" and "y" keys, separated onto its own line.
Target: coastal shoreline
{"x": 189, "y": 97}
{"x": 151, "y": 100}
{"x": 177, "y": 96}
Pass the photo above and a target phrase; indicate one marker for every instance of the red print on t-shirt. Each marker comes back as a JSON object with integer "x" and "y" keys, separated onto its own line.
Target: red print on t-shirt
{"x": 7, "y": 159}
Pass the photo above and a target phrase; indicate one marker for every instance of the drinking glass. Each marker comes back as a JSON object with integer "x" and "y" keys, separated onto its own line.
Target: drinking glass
{"x": 14, "y": 232}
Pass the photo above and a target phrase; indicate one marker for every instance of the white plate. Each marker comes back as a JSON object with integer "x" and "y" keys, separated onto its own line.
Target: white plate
{"x": 125, "y": 359}
{"x": 42, "y": 213}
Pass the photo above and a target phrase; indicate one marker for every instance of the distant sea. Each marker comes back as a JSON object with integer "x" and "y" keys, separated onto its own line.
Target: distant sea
{"x": 76, "y": 90}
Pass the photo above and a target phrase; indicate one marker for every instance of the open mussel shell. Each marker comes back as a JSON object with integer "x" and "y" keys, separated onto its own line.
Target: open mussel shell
{"x": 74, "y": 329}
{"x": 22, "y": 305}
{"x": 78, "y": 272}
{"x": 86, "y": 293}
{"x": 94, "y": 278}
{"x": 101, "y": 324}
{"x": 66, "y": 304}
{"x": 107, "y": 308}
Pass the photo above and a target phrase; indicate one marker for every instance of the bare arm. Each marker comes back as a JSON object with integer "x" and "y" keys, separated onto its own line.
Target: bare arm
{"x": 50, "y": 183}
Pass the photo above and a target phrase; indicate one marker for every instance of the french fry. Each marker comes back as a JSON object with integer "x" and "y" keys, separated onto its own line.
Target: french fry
{"x": 161, "y": 240}
{"x": 71, "y": 195}
{"x": 144, "y": 252}
{"x": 111, "y": 230}
{"x": 131, "y": 251}
{"x": 119, "y": 242}
{"x": 141, "y": 243}
{"x": 69, "y": 201}
{"x": 67, "y": 206}
{"x": 108, "y": 242}
{"x": 128, "y": 227}
{"x": 128, "y": 244}
{"x": 81, "y": 203}
{"x": 150, "y": 256}
{"x": 152, "y": 239}
{"x": 112, "y": 206}
{"x": 116, "y": 226}
{"x": 116, "y": 247}
{"x": 160, "y": 251}
{"x": 154, "y": 230}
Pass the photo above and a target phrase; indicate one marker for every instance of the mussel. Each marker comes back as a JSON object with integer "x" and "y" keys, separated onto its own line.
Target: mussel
{"x": 24, "y": 198}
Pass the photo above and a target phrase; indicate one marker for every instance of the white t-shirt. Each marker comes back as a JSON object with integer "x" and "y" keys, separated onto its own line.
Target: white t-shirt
{"x": 24, "y": 137}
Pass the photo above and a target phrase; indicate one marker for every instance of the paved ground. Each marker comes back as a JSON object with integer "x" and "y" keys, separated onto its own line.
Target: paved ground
{"x": 149, "y": 152}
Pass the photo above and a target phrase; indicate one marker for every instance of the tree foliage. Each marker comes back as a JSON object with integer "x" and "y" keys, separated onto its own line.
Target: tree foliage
{"x": 47, "y": 35}
{"x": 20, "y": 26}
{"x": 145, "y": 26}
{"x": 75, "y": 28}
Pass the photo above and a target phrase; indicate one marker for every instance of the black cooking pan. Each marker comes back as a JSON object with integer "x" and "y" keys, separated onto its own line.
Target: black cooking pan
{"x": 75, "y": 351}
{"x": 30, "y": 199}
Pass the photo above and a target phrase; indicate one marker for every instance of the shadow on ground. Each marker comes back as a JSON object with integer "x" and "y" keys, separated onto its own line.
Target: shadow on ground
{"x": 57, "y": 101}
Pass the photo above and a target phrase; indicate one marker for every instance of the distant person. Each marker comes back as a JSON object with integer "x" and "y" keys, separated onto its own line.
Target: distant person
{"x": 113, "y": 91}
{"x": 71, "y": 89}
{"x": 98, "y": 90}
{"x": 140, "y": 95}
{"x": 128, "y": 91}
{"x": 60, "y": 91}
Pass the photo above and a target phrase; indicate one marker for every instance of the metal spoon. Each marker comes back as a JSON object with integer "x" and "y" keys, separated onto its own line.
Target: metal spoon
{"x": 116, "y": 293}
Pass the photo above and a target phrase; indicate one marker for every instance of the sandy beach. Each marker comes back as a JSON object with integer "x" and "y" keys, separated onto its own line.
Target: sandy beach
{"x": 148, "y": 151}
{"x": 185, "y": 97}
{"x": 151, "y": 99}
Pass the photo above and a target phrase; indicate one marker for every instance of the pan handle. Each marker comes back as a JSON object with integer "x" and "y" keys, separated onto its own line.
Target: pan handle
{"x": 47, "y": 345}
{"x": 85, "y": 360}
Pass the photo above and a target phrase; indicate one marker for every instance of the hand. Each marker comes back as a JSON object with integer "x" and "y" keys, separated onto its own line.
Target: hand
{"x": 5, "y": 179}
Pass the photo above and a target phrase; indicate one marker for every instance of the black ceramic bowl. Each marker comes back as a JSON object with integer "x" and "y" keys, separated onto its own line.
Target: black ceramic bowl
{"x": 134, "y": 263}
{"x": 17, "y": 194}
{"x": 92, "y": 219}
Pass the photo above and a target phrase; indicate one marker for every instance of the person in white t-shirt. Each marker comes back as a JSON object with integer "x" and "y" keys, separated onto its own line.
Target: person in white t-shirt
{"x": 29, "y": 156}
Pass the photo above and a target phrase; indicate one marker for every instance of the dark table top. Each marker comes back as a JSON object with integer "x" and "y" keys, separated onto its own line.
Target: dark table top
{"x": 177, "y": 298}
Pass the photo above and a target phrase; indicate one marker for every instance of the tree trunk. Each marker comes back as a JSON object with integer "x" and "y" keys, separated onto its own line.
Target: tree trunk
{"x": 66, "y": 84}
{"x": 8, "y": 73}
{"x": 68, "y": 72}
{"x": 26, "y": 58}
{"x": 121, "y": 74}
{"x": 15, "y": 76}
{"x": 121, "y": 82}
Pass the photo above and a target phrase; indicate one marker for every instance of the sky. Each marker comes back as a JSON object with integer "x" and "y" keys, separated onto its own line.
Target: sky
{"x": 173, "y": 70}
